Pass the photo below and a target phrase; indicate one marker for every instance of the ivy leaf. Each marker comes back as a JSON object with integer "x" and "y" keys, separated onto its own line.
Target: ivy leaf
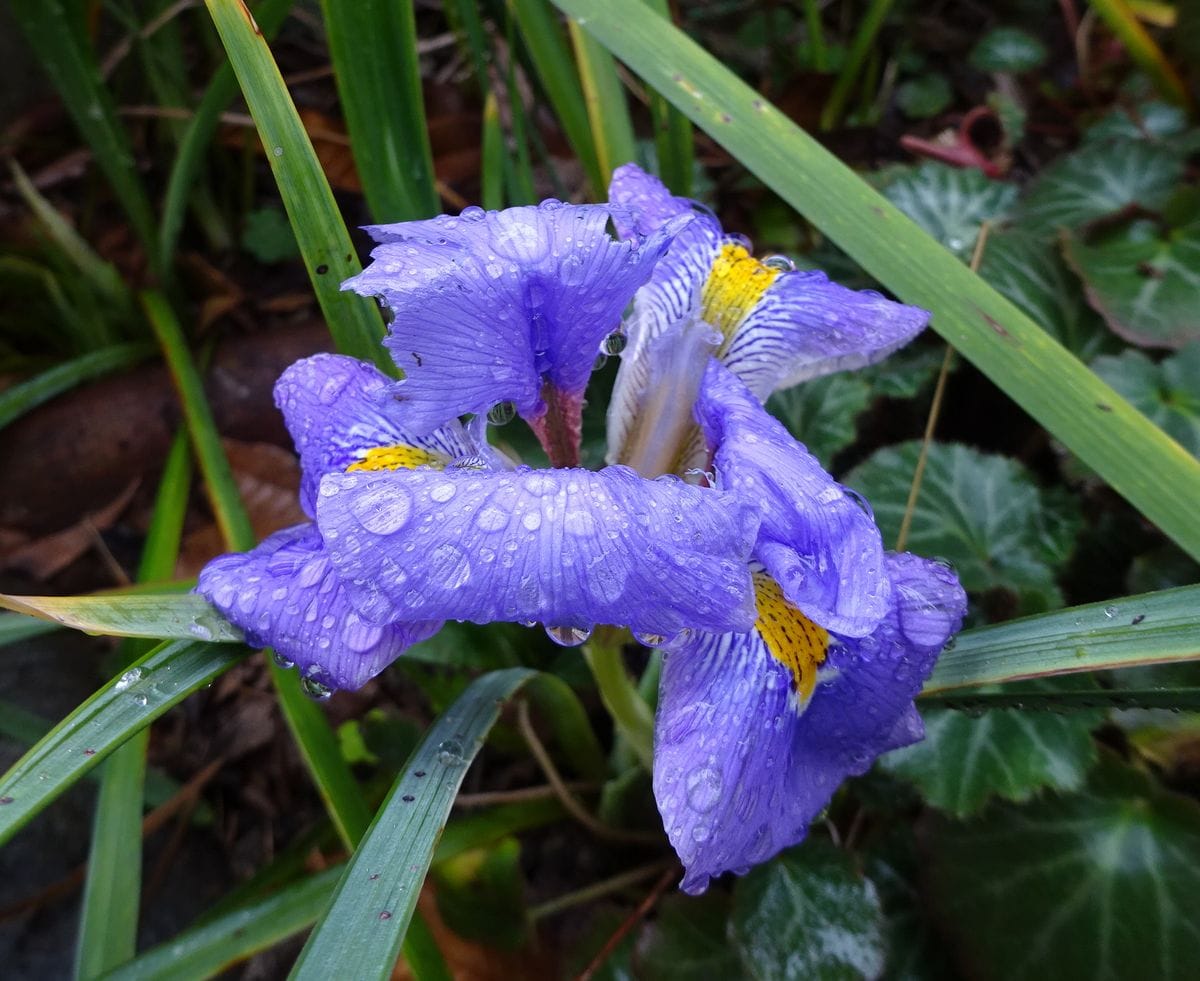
{"x": 687, "y": 941}
{"x": 1030, "y": 272}
{"x": 808, "y": 914}
{"x": 924, "y": 96}
{"x": 982, "y": 513}
{"x": 964, "y": 762}
{"x": 1098, "y": 181}
{"x": 1098, "y": 885}
{"x": 950, "y": 203}
{"x": 906, "y": 373}
{"x": 821, "y": 412}
{"x": 1167, "y": 392}
{"x": 1144, "y": 281}
{"x": 1007, "y": 49}
{"x": 268, "y": 236}
{"x": 1148, "y": 121}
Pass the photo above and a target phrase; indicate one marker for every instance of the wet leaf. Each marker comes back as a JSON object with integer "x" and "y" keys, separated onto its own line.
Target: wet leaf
{"x": 1148, "y": 121}
{"x": 808, "y": 914}
{"x": 965, "y": 761}
{"x": 1144, "y": 281}
{"x": 1168, "y": 392}
{"x": 982, "y": 513}
{"x": 1097, "y": 885}
{"x": 924, "y": 96}
{"x": 1030, "y": 271}
{"x": 950, "y": 203}
{"x": 687, "y": 941}
{"x": 1097, "y": 181}
{"x": 1007, "y": 49}
{"x": 821, "y": 413}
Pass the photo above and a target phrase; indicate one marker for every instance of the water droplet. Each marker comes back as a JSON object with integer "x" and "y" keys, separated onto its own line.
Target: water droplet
{"x": 314, "y": 689}
{"x": 278, "y": 151}
{"x": 139, "y": 700}
{"x": 600, "y": 362}
{"x": 649, "y": 640}
{"x": 568, "y": 636}
{"x": 450, "y": 753}
{"x": 501, "y": 413}
{"x": 373, "y": 876}
{"x": 1110, "y": 612}
{"x": 200, "y": 630}
{"x": 704, "y": 788}
{"x": 282, "y": 661}
{"x": 614, "y": 343}
{"x": 129, "y": 678}
{"x": 780, "y": 263}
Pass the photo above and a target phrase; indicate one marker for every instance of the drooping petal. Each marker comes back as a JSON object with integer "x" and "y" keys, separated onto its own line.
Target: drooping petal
{"x": 570, "y": 548}
{"x": 815, "y": 539}
{"x": 341, "y": 415}
{"x": 756, "y": 730}
{"x": 286, "y": 595}
{"x": 802, "y": 326}
{"x": 491, "y": 306}
{"x": 645, "y": 201}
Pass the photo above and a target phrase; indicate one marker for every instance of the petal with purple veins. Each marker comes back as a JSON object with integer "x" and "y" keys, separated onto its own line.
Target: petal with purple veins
{"x": 569, "y": 548}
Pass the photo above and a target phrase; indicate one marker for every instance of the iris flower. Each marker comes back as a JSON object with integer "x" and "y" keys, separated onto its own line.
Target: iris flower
{"x": 793, "y": 644}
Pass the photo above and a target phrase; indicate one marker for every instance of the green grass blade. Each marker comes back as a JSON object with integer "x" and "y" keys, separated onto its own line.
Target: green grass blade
{"x": 102, "y": 275}
{"x": 218, "y": 478}
{"x": 1153, "y": 472}
{"x": 27, "y": 395}
{"x": 15, "y": 627}
{"x": 361, "y": 935}
{"x": 851, "y": 71}
{"x": 552, "y": 61}
{"x": 604, "y": 98}
{"x": 320, "y": 232}
{"x": 491, "y": 193}
{"x": 1123, "y": 22}
{"x": 200, "y": 130}
{"x": 108, "y": 918}
{"x": 215, "y": 946}
{"x": 54, "y": 31}
{"x": 127, "y": 704}
{"x": 673, "y": 141}
{"x": 162, "y": 616}
{"x": 1153, "y": 628}
{"x": 373, "y": 44}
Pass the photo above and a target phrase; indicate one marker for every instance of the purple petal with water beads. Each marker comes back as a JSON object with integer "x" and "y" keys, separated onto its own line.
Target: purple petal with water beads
{"x": 816, "y": 540}
{"x": 337, "y": 408}
{"x": 491, "y": 307}
{"x": 567, "y": 548}
{"x": 741, "y": 768}
{"x": 285, "y": 595}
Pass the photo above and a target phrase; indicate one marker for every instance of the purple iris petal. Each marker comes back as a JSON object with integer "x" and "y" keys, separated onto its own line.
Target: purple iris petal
{"x": 816, "y": 540}
{"x": 800, "y": 327}
{"x": 805, "y": 326}
{"x": 337, "y": 407}
{"x": 569, "y": 548}
{"x": 285, "y": 595}
{"x": 740, "y": 771}
{"x": 491, "y": 306}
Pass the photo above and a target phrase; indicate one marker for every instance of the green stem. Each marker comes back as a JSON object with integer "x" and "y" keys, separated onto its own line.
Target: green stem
{"x": 630, "y": 713}
{"x": 816, "y": 36}
{"x": 871, "y": 23}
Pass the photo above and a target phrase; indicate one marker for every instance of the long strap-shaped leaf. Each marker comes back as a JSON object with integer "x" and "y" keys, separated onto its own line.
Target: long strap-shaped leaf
{"x": 320, "y": 232}
{"x": 1138, "y": 459}
{"x": 1152, "y": 628}
{"x": 361, "y": 935}
{"x": 128, "y": 703}
{"x": 1149, "y": 629}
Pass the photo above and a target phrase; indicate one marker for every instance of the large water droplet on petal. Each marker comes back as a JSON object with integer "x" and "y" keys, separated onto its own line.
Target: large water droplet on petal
{"x": 282, "y": 661}
{"x": 703, "y": 787}
{"x": 780, "y": 263}
{"x": 614, "y": 343}
{"x": 314, "y": 689}
{"x": 501, "y": 413}
{"x": 568, "y": 636}
{"x": 649, "y": 640}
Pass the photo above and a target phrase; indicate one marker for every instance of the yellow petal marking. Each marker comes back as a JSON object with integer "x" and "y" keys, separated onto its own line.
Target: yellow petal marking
{"x": 735, "y": 284}
{"x": 791, "y": 638}
{"x": 398, "y": 457}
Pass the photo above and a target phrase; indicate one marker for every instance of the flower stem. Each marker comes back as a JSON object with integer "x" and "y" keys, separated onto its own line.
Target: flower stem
{"x": 630, "y": 713}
